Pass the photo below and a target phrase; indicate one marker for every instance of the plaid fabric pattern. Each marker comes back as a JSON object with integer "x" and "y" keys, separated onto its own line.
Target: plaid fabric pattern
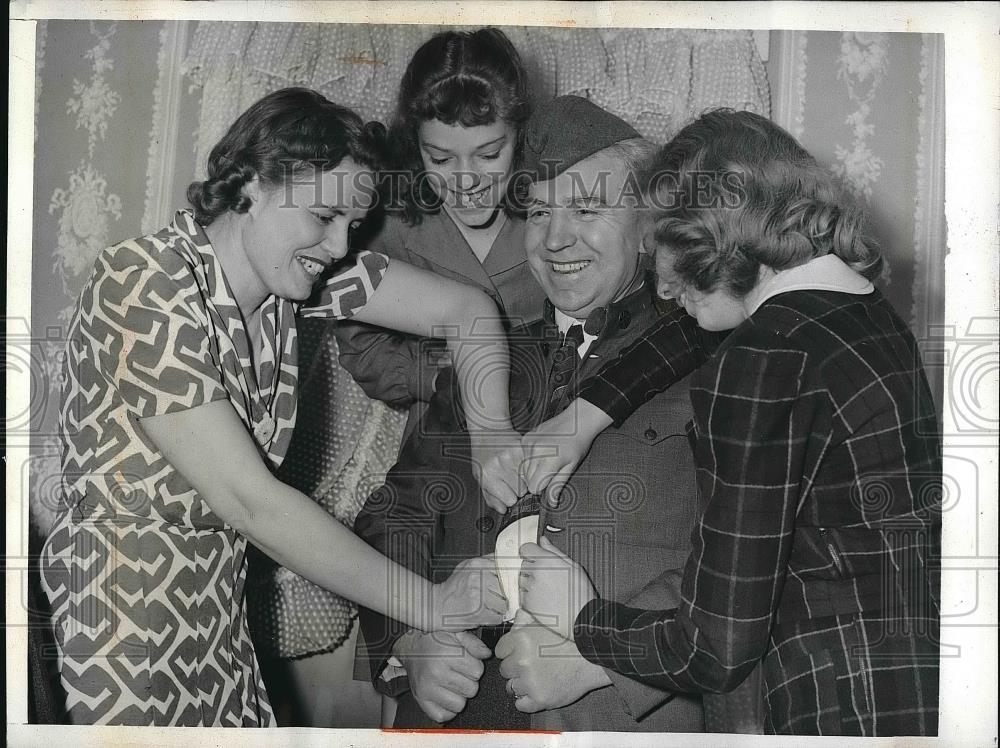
{"x": 818, "y": 544}
{"x": 665, "y": 353}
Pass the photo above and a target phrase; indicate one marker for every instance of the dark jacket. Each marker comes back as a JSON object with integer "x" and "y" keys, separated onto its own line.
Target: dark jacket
{"x": 632, "y": 515}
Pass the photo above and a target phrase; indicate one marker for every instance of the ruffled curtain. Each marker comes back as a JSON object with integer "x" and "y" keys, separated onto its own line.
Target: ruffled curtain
{"x": 656, "y": 79}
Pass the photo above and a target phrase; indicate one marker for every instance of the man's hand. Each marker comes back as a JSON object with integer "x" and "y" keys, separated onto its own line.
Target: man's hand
{"x": 470, "y": 597}
{"x": 553, "y": 586}
{"x": 443, "y": 669}
{"x": 543, "y": 670}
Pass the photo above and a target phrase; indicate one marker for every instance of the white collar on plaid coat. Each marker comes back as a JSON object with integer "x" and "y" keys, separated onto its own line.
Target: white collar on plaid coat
{"x": 826, "y": 273}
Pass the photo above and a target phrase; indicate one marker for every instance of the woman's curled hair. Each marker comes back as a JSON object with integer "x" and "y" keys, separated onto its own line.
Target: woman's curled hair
{"x": 468, "y": 78}
{"x": 734, "y": 191}
{"x": 282, "y": 134}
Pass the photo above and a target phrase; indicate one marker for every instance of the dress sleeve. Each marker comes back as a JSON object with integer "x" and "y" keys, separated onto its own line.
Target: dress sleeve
{"x": 349, "y": 289}
{"x": 760, "y": 429}
{"x": 668, "y": 351}
{"x": 148, "y": 341}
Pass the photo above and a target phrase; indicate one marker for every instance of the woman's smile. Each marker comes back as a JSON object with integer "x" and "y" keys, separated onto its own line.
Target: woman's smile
{"x": 311, "y": 265}
{"x": 477, "y": 199}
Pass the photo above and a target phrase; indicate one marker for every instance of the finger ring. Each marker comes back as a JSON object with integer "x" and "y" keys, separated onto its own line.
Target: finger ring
{"x": 510, "y": 689}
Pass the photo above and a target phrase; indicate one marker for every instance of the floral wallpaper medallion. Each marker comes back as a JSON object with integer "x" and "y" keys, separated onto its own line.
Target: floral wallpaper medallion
{"x": 83, "y": 225}
{"x": 94, "y": 103}
{"x": 86, "y": 205}
{"x": 861, "y": 66}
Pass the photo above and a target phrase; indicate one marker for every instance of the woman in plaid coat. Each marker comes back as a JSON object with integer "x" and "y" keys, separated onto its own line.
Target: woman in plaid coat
{"x": 816, "y": 445}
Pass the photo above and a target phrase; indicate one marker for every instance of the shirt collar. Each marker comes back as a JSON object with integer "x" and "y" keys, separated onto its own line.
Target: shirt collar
{"x": 826, "y": 273}
{"x": 564, "y": 322}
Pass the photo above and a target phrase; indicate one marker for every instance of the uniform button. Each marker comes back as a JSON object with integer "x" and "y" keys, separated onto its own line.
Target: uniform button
{"x": 624, "y": 319}
{"x": 650, "y": 434}
{"x": 485, "y": 524}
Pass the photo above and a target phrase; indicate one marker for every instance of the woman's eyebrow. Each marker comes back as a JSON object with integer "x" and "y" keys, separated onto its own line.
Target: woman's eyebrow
{"x": 479, "y": 147}
{"x": 328, "y": 208}
{"x": 491, "y": 142}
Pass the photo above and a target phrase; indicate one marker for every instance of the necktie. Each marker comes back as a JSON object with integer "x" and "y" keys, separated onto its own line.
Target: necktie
{"x": 564, "y": 365}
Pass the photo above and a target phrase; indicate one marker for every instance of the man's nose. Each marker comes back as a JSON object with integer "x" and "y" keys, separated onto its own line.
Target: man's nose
{"x": 559, "y": 233}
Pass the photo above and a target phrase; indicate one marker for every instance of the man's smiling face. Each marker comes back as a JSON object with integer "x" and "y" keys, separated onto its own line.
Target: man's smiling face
{"x": 582, "y": 239}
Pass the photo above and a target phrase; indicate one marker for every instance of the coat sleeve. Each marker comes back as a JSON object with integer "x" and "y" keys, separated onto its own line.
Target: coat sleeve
{"x": 673, "y": 347}
{"x": 759, "y": 428}
{"x": 403, "y": 521}
{"x": 390, "y": 366}
{"x": 639, "y": 698}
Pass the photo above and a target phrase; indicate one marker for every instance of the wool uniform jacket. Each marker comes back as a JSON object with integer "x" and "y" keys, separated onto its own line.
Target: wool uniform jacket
{"x": 398, "y": 368}
{"x": 628, "y": 523}
{"x": 818, "y": 541}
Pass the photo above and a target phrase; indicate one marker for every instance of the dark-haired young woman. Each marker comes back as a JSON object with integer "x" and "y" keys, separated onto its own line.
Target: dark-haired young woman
{"x": 816, "y": 446}
{"x": 456, "y": 133}
{"x": 179, "y": 402}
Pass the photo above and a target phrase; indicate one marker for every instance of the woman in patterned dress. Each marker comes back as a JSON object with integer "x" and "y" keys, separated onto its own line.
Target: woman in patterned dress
{"x": 179, "y": 402}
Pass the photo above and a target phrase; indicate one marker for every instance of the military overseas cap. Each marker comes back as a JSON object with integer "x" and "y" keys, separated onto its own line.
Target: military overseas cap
{"x": 566, "y": 130}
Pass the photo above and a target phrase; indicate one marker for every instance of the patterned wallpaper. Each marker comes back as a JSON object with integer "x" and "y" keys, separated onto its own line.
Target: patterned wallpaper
{"x": 93, "y": 104}
{"x": 869, "y": 106}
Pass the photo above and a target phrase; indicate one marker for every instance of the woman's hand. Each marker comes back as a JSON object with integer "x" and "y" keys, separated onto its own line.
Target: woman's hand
{"x": 554, "y": 587}
{"x": 470, "y": 597}
{"x": 497, "y": 457}
{"x": 553, "y": 451}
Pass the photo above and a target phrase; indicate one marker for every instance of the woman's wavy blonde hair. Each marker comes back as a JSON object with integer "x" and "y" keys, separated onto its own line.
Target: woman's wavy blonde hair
{"x": 734, "y": 191}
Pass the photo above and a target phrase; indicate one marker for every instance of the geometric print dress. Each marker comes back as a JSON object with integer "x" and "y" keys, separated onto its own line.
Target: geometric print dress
{"x": 146, "y": 583}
